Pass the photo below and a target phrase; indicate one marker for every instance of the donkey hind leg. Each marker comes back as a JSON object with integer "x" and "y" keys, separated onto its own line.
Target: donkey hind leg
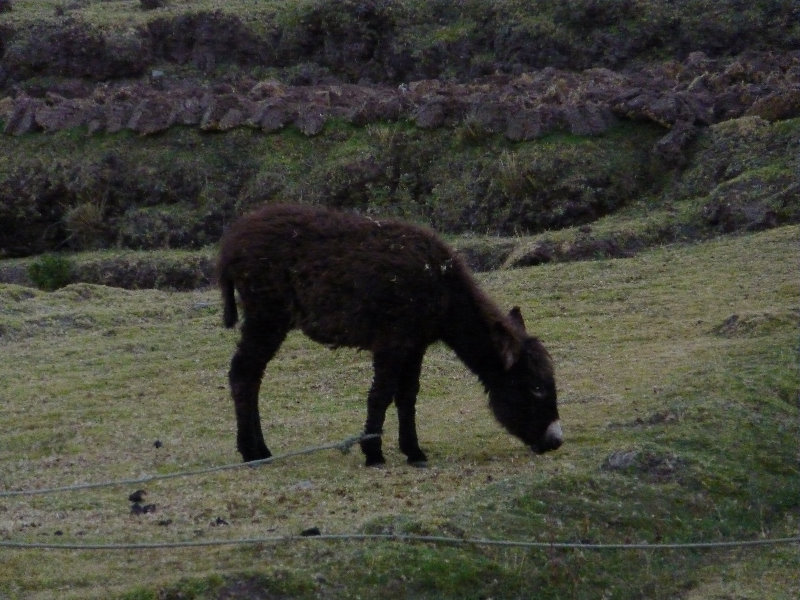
{"x": 406, "y": 399}
{"x": 256, "y": 348}
{"x": 381, "y": 394}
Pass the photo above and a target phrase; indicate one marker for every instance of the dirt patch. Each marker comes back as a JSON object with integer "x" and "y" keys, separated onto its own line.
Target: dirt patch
{"x": 756, "y": 324}
{"x": 657, "y": 466}
{"x": 237, "y": 587}
{"x": 248, "y": 588}
{"x": 582, "y": 247}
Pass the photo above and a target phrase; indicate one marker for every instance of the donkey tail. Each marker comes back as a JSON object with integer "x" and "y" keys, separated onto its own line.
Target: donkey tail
{"x": 230, "y": 315}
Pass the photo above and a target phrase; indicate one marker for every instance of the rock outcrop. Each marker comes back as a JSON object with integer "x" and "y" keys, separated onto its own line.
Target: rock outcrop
{"x": 675, "y": 96}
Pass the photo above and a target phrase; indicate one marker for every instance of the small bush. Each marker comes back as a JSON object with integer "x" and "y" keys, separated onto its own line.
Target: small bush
{"x": 87, "y": 226}
{"x": 151, "y": 4}
{"x": 51, "y": 272}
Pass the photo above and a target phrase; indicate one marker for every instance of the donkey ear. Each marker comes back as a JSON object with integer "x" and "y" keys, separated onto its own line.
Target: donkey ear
{"x": 515, "y": 314}
{"x": 508, "y": 345}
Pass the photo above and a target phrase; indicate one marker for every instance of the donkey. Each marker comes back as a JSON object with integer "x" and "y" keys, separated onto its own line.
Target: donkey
{"x": 383, "y": 286}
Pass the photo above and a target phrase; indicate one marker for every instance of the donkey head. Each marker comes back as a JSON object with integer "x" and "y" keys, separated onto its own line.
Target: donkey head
{"x": 523, "y": 396}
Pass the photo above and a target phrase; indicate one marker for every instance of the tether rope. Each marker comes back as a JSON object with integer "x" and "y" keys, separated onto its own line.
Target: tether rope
{"x": 344, "y": 446}
{"x": 426, "y": 539}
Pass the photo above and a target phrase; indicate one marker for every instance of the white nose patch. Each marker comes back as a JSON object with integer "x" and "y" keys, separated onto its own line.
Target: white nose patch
{"x": 554, "y": 432}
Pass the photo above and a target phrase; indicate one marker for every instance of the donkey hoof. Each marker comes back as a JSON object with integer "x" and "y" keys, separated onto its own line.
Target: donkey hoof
{"x": 416, "y": 458}
{"x": 261, "y": 454}
{"x": 376, "y": 462}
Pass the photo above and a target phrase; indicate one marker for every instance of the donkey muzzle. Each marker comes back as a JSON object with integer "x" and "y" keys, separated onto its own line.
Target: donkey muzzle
{"x": 551, "y": 440}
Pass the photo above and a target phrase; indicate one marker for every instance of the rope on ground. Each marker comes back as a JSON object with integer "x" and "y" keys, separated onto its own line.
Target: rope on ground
{"x": 344, "y": 446}
{"x": 421, "y": 539}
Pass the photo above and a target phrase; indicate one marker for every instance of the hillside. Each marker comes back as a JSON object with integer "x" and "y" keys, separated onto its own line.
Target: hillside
{"x": 677, "y": 376}
{"x": 599, "y": 129}
{"x": 625, "y": 171}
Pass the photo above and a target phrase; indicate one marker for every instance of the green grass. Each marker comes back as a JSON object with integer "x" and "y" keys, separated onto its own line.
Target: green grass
{"x": 650, "y": 362}
{"x": 127, "y": 13}
{"x": 177, "y": 189}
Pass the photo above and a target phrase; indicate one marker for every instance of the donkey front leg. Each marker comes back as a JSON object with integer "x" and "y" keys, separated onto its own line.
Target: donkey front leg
{"x": 408, "y": 387}
{"x": 383, "y": 390}
{"x": 247, "y": 369}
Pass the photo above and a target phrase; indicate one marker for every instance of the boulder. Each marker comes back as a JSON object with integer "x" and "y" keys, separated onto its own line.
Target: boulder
{"x": 777, "y": 106}
{"x": 310, "y": 121}
{"x": 524, "y": 124}
{"x": 226, "y": 112}
{"x": 671, "y": 149}
{"x": 152, "y": 115}
{"x": 22, "y": 118}
{"x": 588, "y": 119}
{"x": 430, "y": 115}
{"x": 272, "y": 115}
{"x": 60, "y": 113}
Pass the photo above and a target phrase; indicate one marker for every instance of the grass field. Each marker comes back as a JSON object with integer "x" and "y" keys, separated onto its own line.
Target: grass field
{"x": 678, "y": 382}
{"x": 128, "y": 13}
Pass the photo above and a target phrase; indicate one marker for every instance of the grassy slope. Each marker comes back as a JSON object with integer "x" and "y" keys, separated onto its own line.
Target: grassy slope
{"x": 178, "y": 189}
{"x": 128, "y": 13}
{"x": 651, "y": 362}
{"x": 428, "y": 23}
{"x": 493, "y": 186}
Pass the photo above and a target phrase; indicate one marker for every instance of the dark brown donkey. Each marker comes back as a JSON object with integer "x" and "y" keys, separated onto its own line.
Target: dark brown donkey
{"x": 383, "y": 286}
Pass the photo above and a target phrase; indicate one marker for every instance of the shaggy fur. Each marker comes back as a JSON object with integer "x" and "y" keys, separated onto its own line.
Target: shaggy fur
{"x": 383, "y": 286}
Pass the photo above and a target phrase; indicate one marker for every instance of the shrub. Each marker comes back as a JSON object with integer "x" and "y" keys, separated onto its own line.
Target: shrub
{"x": 51, "y": 272}
{"x": 87, "y": 225}
{"x": 150, "y": 4}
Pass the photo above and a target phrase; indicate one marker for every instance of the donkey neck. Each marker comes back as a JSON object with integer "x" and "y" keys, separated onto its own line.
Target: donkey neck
{"x": 471, "y": 324}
